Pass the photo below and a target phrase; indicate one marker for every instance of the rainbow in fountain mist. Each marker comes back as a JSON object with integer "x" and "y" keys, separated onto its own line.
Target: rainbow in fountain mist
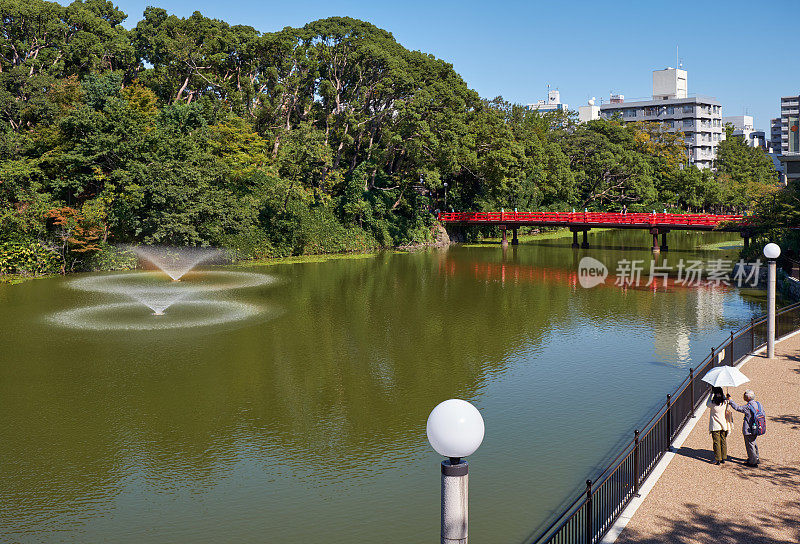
{"x": 176, "y": 261}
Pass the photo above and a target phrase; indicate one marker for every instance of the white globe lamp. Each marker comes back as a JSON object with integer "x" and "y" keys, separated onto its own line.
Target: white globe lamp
{"x": 455, "y": 430}
{"x": 772, "y": 251}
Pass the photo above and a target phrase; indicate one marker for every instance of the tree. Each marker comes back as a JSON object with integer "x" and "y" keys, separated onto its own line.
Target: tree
{"x": 746, "y": 174}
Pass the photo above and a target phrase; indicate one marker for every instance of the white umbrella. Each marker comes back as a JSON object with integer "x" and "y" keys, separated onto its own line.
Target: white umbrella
{"x": 725, "y": 376}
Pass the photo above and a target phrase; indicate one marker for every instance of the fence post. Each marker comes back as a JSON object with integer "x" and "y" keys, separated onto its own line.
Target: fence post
{"x": 691, "y": 390}
{"x": 669, "y": 422}
{"x": 636, "y": 462}
{"x": 731, "y": 348}
{"x": 752, "y": 335}
{"x": 713, "y": 362}
{"x": 589, "y": 532}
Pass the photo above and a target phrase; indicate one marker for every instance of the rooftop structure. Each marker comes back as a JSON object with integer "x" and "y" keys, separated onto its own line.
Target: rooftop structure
{"x": 669, "y": 83}
{"x": 588, "y": 112}
{"x": 553, "y": 103}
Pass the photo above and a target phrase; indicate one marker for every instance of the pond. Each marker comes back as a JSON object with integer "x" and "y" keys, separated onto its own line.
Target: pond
{"x": 292, "y": 409}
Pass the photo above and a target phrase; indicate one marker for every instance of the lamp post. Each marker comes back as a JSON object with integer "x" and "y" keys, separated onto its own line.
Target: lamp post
{"x": 445, "y": 196}
{"x": 771, "y": 252}
{"x": 455, "y": 430}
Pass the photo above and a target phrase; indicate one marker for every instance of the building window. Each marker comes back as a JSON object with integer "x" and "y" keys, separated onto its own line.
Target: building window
{"x": 670, "y": 110}
{"x": 688, "y": 109}
{"x": 687, "y": 122}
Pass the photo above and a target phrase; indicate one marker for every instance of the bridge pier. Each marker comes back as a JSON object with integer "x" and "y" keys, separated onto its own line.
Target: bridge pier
{"x": 656, "y": 248}
{"x": 575, "y": 231}
{"x": 664, "y": 240}
{"x": 504, "y": 241}
{"x": 746, "y": 237}
{"x": 514, "y": 239}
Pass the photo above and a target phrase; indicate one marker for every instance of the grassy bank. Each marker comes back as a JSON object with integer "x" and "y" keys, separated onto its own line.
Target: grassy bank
{"x": 14, "y": 279}
{"x": 724, "y": 245}
{"x": 310, "y": 258}
{"x": 525, "y": 238}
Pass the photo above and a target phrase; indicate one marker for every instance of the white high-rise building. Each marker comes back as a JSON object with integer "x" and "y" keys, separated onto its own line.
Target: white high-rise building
{"x": 743, "y": 128}
{"x": 739, "y": 122}
{"x": 698, "y": 117}
{"x": 775, "y": 145}
{"x": 790, "y": 137}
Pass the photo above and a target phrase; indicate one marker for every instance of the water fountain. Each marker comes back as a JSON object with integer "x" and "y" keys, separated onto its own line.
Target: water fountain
{"x": 174, "y": 261}
{"x": 181, "y": 299}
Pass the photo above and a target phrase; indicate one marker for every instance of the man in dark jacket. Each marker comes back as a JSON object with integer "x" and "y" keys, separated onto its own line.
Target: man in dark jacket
{"x": 749, "y": 409}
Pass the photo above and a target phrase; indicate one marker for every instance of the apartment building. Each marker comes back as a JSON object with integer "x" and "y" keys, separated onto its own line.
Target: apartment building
{"x": 775, "y": 135}
{"x": 790, "y": 137}
{"x": 698, "y": 117}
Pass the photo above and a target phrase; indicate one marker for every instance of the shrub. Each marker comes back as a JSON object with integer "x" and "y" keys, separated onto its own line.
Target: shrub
{"x": 29, "y": 258}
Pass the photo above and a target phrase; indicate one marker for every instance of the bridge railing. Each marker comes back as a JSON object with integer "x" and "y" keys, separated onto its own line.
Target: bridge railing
{"x": 591, "y": 514}
{"x": 583, "y": 218}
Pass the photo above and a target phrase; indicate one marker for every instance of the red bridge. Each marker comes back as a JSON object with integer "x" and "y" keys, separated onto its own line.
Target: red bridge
{"x": 656, "y": 223}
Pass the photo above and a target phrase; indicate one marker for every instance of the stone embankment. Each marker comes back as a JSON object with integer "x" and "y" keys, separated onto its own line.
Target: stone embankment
{"x": 439, "y": 239}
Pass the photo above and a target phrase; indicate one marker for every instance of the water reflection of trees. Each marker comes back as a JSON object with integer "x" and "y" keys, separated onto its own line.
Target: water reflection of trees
{"x": 366, "y": 348}
{"x": 348, "y": 374}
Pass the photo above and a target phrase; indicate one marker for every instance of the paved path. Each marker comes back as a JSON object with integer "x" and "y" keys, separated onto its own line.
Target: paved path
{"x": 696, "y": 501}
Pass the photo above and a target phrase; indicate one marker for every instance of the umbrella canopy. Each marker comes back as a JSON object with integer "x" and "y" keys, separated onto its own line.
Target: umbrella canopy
{"x": 725, "y": 376}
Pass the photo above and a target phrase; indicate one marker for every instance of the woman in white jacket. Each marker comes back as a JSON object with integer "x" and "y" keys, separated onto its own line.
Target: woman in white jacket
{"x": 718, "y": 424}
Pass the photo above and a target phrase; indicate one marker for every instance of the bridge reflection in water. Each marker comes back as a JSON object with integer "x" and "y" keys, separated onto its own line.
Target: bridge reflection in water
{"x": 524, "y": 273}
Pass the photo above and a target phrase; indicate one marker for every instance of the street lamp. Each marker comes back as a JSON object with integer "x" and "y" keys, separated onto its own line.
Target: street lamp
{"x": 455, "y": 430}
{"x": 771, "y": 252}
{"x": 445, "y": 196}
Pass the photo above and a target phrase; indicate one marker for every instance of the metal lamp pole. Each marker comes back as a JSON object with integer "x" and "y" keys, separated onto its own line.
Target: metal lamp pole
{"x": 445, "y": 196}
{"x": 455, "y": 430}
{"x": 771, "y": 252}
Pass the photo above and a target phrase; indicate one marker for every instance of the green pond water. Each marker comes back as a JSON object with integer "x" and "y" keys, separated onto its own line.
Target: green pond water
{"x": 292, "y": 409}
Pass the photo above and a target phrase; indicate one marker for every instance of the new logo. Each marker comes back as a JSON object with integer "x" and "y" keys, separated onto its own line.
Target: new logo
{"x": 591, "y": 272}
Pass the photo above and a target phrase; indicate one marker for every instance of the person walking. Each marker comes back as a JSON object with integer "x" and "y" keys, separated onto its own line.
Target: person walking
{"x": 753, "y": 412}
{"x": 718, "y": 424}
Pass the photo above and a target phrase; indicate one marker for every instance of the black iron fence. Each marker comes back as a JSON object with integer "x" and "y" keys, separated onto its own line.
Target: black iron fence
{"x": 589, "y": 517}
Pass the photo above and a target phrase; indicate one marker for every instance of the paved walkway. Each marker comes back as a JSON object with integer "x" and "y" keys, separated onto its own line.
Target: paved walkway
{"x": 696, "y": 501}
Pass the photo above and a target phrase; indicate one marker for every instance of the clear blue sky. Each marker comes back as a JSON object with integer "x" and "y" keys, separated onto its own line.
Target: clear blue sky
{"x": 743, "y": 53}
